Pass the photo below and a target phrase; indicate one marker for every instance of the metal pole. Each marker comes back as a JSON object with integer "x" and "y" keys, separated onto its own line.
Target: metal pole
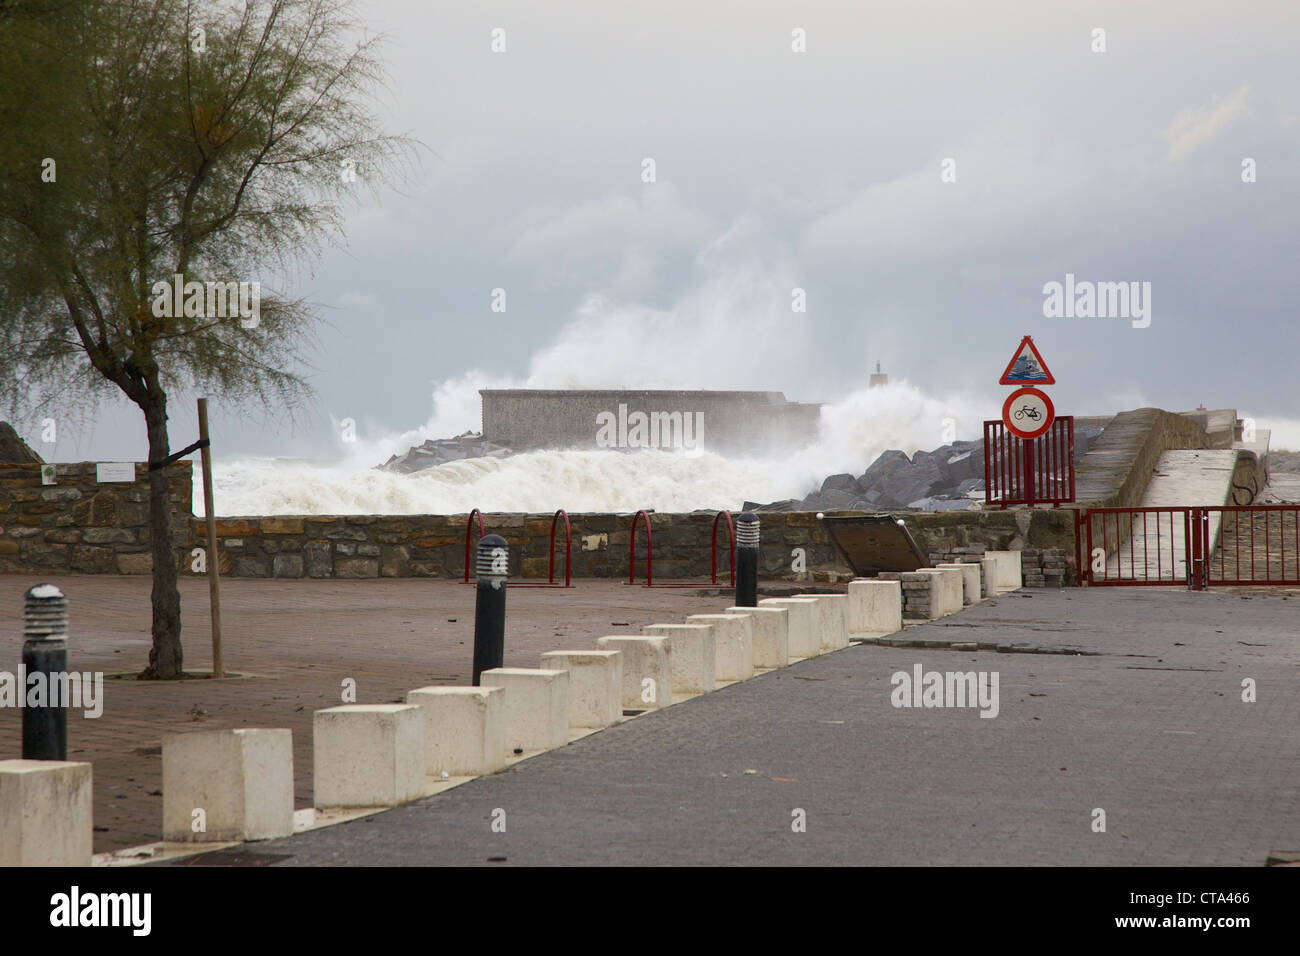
{"x": 213, "y": 562}
{"x": 492, "y": 568}
{"x": 747, "y": 560}
{"x": 1029, "y": 471}
{"x": 45, "y": 653}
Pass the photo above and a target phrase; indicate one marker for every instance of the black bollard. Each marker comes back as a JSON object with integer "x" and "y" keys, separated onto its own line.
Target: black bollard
{"x": 45, "y": 652}
{"x": 490, "y": 604}
{"x": 747, "y": 560}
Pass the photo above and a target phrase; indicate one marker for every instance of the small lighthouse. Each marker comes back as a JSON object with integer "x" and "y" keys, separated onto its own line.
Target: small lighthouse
{"x": 878, "y": 378}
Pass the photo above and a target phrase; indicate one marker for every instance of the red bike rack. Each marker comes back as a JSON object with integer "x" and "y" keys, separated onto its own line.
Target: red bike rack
{"x": 649, "y": 551}
{"x": 568, "y": 544}
{"x": 550, "y": 581}
{"x": 469, "y": 529}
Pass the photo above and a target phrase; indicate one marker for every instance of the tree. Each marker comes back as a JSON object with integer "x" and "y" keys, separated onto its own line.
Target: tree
{"x": 148, "y": 146}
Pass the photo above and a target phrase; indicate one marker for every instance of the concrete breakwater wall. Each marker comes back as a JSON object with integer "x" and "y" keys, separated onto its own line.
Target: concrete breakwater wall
{"x": 722, "y": 421}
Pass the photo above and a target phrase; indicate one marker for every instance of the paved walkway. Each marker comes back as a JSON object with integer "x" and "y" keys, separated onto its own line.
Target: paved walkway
{"x": 1148, "y": 725}
{"x": 300, "y": 639}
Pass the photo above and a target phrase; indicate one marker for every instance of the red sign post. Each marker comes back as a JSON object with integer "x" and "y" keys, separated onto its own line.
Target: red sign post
{"x": 1028, "y": 412}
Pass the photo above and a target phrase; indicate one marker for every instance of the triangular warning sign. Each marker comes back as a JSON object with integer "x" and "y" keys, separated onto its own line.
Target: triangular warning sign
{"x": 1027, "y": 367}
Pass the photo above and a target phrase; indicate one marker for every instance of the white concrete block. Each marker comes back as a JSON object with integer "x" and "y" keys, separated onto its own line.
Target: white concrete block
{"x": 771, "y": 634}
{"x": 832, "y": 610}
{"x": 647, "y": 670}
{"x": 875, "y": 607}
{"x": 733, "y": 644}
{"x": 1009, "y": 569}
{"x": 988, "y": 576}
{"x": 46, "y": 813}
{"x": 970, "y": 581}
{"x": 946, "y": 595}
{"x": 464, "y": 729}
{"x": 368, "y": 755}
{"x": 691, "y": 654}
{"x": 537, "y": 706}
{"x": 242, "y": 780}
{"x": 804, "y": 625}
{"x": 595, "y": 685}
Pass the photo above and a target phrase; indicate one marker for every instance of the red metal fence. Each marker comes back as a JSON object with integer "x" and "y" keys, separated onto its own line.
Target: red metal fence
{"x": 1199, "y": 547}
{"x": 1019, "y": 471}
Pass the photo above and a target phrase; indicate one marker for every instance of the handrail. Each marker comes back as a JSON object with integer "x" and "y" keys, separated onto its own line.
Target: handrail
{"x": 713, "y": 546}
{"x": 631, "y": 550}
{"x": 469, "y": 527}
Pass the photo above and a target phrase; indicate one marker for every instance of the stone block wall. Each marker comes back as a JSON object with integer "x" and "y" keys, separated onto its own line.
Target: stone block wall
{"x": 1041, "y": 567}
{"x": 80, "y": 525}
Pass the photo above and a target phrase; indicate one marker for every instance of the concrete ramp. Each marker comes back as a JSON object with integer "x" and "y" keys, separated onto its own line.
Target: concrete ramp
{"x": 1157, "y": 547}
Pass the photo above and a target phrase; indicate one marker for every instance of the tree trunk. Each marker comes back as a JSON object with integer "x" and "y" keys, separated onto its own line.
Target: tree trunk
{"x": 165, "y": 657}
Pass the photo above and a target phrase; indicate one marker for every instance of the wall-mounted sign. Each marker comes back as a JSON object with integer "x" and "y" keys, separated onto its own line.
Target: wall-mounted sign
{"x": 1028, "y": 412}
{"x": 106, "y": 471}
{"x": 48, "y": 476}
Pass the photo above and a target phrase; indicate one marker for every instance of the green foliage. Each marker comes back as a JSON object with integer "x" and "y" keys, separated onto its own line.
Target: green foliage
{"x": 222, "y": 165}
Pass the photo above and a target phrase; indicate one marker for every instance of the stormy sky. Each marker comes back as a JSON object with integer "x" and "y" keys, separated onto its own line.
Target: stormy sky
{"x": 822, "y": 170}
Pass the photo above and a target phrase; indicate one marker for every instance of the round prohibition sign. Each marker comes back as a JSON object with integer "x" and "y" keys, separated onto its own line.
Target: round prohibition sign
{"x": 1028, "y": 412}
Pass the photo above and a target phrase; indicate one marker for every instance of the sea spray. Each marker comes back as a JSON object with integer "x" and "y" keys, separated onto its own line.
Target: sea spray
{"x": 853, "y": 433}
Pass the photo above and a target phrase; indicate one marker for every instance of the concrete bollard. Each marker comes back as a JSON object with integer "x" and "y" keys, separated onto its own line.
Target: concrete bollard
{"x": 747, "y": 535}
{"x": 536, "y": 704}
{"x": 875, "y": 607}
{"x": 46, "y": 813}
{"x": 367, "y": 755}
{"x": 595, "y": 686}
{"x": 241, "y": 781}
{"x": 492, "y": 567}
{"x": 832, "y": 609}
{"x": 988, "y": 576}
{"x": 1010, "y": 576}
{"x": 804, "y": 625}
{"x": 692, "y": 656}
{"x": 970, "y": 578}
{"x": 771, "y": 628}
{"x": 947, "y": 596}
{"x": 647, "y": 670}
{"x": 464, "y": 729}
{"x": 733, "y": 644}
{"x": 45, "y": 653}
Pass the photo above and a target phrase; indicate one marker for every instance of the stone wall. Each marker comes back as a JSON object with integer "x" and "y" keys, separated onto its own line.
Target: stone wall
{"x": 80, "y": 525}
{"x": 371, "y": 546}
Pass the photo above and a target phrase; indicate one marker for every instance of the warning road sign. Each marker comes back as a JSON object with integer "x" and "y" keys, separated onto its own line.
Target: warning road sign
{"x": 1027, "y": 367}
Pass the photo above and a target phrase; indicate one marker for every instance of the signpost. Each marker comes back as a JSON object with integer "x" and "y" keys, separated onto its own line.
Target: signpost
{"x": 1028, "y": 412}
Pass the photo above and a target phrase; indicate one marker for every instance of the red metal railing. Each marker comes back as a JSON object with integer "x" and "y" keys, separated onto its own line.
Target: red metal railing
{"x": 1020, "y": 471}
{"x": 1256, "y": 544}
{"x": 1137, "y": 546}
{"x": 649, "y": 550}
{"x": 568, "y": 566}
{"x": 1221, "y": 545}
{"x": 469, "y": 529}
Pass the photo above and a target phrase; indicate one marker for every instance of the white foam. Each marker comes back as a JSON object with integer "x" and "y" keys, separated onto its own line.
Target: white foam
{"x": 853, "y": 433}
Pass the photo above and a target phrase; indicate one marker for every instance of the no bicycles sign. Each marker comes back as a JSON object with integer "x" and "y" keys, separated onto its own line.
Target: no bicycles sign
{"x": 1028, "y": 412}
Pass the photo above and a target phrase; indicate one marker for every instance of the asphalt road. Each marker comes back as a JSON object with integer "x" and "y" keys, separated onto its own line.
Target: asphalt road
{"x": 1148, "y": 724}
